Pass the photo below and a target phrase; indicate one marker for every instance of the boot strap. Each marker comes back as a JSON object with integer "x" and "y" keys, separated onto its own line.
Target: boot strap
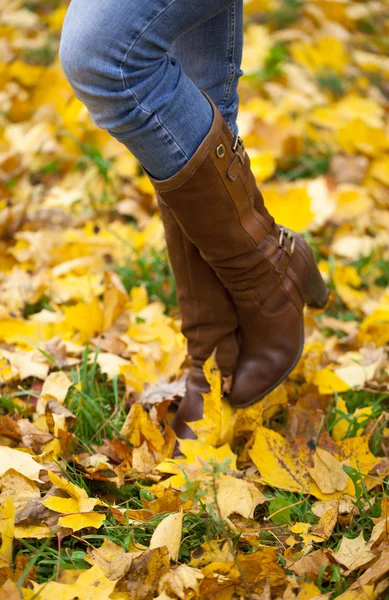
{"x": 238, "y": 160}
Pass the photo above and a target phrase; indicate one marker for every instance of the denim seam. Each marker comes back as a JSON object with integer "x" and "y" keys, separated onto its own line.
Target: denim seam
{"x": 131, "y": 91}
{"x": 230, "y": 55}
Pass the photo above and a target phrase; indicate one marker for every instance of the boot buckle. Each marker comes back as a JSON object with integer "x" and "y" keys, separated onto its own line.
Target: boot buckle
{"x": 285, "y": 234}
{"x": 237, "y": 141}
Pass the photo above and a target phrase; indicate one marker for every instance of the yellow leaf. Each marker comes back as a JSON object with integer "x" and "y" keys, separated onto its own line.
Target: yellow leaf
{"x": 26, "y": 74}
{"x": 91, "y": 585}
{"x": 19, "y": 461}
{"x": 61, "y": 505}
{"x": 380, "y": 169}
{"x": 347, "y": 280}
{"x": 320, "y": 56}
{"x": 56, "y": 18}
{"x": 82, "y": 321}
{"x": 138, "y": 299}
{"x": 216, "y": 426}
{"x": 237, "y": 496}
{"x": 114, "y": 299}
{"x": 55, "y": 386}
{"x": 36, "y": 532}
{"x": 82, "y": 520}
{"x": 358, "y": 137}
{"x": 375, "y": 327}
{"x": 263, "y": 165}
{"x": 291, "y": 207}
{"x": 328, "y": 382}
{"x": 300, "y": 528}
{"x": 286, "y": 465}
{"x": 256, "y": 47}
{"x": 79, "y": 495}
{"x": 138, "y": 427}
{"x": 17, "y": 487}
{"x": 196, "y": 456}
{"x": 113, "y": 560}
{"x": 168, "y": 533}
{"x": 7, "y": 527}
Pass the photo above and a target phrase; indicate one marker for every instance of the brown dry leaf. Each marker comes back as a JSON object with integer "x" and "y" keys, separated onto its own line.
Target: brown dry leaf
{"x": 322, "y": 531}
{"x": 328, "y": 472}
{"x": 143, "y": 459}
{"x": 113, "y": 560}
{"x": 373, "y": 573}
{"x": 167, "y": 500}
{"x": 353, "y": 553}
{"x": 9, "y": 591}
{"x": 209, "y": 552}
{"x": 260, "y": 567}
{"x": 237, "y": 496}
{"x": 168, "y": 534}
{"x": 145, "y": 573}
{"x": 310, "y": 565}
{"x": 345, "y": 505}
{"x": 9, "y": 431}
{"x": 19, "y": 488}
{"x": 181, "y": 582}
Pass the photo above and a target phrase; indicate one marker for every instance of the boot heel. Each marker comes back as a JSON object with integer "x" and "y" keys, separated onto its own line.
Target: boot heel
{"x": 316, "y": 291}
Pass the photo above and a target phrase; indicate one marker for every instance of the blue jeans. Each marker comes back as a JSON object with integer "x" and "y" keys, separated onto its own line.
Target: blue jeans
{"x": 139, "y": 65}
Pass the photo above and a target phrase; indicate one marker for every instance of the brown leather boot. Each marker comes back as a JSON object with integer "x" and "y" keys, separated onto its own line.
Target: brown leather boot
{"x": 269, "y": 271}
{"x": 209, "y": 320}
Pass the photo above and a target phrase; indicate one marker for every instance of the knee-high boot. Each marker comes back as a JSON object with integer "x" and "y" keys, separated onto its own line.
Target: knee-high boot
{"x": 269, "y": 271}
{"x": 209, "y": 320}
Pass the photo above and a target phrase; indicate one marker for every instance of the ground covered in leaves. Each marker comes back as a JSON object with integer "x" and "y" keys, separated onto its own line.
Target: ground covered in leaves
{"x": 286, "y": 499}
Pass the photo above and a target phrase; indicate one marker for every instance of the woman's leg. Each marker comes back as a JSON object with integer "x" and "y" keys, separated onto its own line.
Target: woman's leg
{"x": 115, "y": 55}
{"x": 211, "y": 55}
{"x": 208, "y": 315}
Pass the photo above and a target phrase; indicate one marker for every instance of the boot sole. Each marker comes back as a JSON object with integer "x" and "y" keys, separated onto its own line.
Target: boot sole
{"x": 316, "y": 296}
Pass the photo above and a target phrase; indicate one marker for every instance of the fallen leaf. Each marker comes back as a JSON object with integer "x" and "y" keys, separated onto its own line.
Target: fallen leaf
{"x": 9, "y": 591}
{"x": 168, "y": 533}
{"x": 353, "y": 553}
{"x": 91, "y": 585}
{"x": 145, "y": 573}
{"x": 75, "y": 522}
{"x": 19, "y": 461}
{"x": 328, "y": 473}
{"x": 113, "y": 560}
{"x": 182, "y": 581}
{"x": 138, "y": 427}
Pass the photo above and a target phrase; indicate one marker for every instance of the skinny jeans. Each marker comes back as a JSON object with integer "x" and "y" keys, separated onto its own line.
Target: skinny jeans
{"x": 139, "y": 66}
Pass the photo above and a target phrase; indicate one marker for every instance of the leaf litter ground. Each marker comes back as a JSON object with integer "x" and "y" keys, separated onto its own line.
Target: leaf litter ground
{"x": 286, "y": 499}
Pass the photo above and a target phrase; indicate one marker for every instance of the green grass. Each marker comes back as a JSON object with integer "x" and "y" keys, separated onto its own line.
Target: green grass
{"x": 272, "y": 67}
{"x": 152, "y": 270}
{"x": 98, "y": 406}
{"x": 311, "y": 163}
{"x": 287, "y": 12}
{"x": 330, "y": 81}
